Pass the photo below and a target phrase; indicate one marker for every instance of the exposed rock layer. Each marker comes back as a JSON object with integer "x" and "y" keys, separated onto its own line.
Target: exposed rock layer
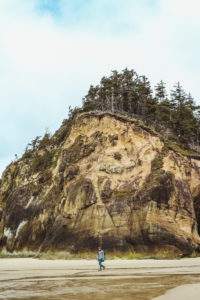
{"x": 111, "y": 182}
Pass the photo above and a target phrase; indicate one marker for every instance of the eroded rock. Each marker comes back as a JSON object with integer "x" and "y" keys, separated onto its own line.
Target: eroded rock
{"x": 111, "y": 182}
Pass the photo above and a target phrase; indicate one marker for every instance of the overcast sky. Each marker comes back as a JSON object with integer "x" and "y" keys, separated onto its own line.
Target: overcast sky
{"x": 52, "y": 50}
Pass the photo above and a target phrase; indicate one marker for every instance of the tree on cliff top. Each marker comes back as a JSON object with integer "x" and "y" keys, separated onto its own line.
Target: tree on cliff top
{"x": 129, "y": 93}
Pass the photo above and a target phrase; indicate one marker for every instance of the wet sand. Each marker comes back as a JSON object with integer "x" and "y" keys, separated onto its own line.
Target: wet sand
{"x": 34, "y": 279}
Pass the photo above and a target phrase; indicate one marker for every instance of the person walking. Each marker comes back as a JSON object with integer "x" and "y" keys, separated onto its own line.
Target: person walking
{"x": 101, "y": 258}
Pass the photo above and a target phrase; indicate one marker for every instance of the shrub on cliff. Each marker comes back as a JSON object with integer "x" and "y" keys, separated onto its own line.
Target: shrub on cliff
{"x": 41, "y": 162}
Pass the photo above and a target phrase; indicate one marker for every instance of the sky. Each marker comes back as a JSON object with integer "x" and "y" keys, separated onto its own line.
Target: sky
{"x": 51, "y": 51}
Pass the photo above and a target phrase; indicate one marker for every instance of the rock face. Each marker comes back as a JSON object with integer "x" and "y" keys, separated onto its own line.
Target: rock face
{"x": 109, "y": 182}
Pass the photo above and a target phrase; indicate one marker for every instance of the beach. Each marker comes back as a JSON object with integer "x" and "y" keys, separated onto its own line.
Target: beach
{"x": 35, "y": 279}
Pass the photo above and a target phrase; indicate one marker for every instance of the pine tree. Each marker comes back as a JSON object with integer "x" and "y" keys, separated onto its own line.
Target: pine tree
{"x": 178, "y": 96}
{"x": 90, "y": 101}
{"x": 164, "y": 110}
{"x": 160, "y": 91}
{"x": 128, "y": 93}
{"x": 144, "y": 93}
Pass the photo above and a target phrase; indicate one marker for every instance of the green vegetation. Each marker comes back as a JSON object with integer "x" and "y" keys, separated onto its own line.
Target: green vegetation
{"x": 41, "y": 162}
{"x": 123, "y": 193}
{"x": 89, "y": 166}
{"x": 62, "y": 133}
{"x": 78, "y": 150}
{"x": 157, "y": 163}
{"x": 129, "y": 94}
{"x": 18, "y": 254}
{"x": 161, "y": 254}
{"x": 67, "y": 255}
{"x": 45, "y": 141}
{"x": 27, "y": 154}
{"x": 130, "y": 97}
{"x": 53, "y": 255}
{"x": 178, "y": 147}
{"x": 111, "y": 256}
{"x": 40, "y": 154}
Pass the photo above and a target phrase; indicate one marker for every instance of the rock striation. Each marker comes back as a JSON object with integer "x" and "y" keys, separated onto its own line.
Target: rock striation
{"x": 109, "y": 181}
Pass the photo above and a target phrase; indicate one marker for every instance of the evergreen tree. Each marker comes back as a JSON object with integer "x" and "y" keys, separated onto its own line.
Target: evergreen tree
{"x": 178, "y": 96}
{"x": 144, "y": 93}
{"x": 129, "y": 83}
{"x": 164, "y": 110}
{"x": 128, "y": 93}
{"x": 160, "y": 91}
{"x": 116, "y": 104}
{"x": 90, "y": 101}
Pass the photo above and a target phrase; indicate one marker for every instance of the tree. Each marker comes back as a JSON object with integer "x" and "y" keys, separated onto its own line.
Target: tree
{"x": 164, "y": 110}
{"x": 90, "y": 101}
{"x": 178, "y": 96}
{"x": 128, "y": 93}
{"x": 34, "y": 143}
{"x": 144, "y": 94}
{"x": 160, "y": 91}
{"x": 128, "y": 90}
{"x": 116, "y": 80}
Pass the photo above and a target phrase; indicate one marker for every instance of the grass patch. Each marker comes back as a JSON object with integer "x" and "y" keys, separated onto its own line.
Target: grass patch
{"x": 53, "y": 255}
{"x": 126, "y": 255}
{"x": 177, "y": 147}
{"x": 165, "y": 254}
{"x": 157, "y": 163}
{"x": 89, "y": 166}
{"x": 21, "y": 254}
{"x": 123, "y": 193}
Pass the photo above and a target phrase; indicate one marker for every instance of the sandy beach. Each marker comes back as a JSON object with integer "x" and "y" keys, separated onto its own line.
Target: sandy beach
{"x": 27, "y": 278}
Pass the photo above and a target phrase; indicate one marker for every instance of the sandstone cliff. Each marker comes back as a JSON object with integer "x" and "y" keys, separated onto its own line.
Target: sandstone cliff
{"x": 108, "y": 181}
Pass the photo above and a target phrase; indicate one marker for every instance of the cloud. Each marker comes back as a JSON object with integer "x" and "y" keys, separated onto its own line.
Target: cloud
{"x": 51, "y": 51}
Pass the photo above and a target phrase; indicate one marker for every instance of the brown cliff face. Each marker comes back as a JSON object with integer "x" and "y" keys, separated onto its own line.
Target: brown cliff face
{"x": 110, "y": 182}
